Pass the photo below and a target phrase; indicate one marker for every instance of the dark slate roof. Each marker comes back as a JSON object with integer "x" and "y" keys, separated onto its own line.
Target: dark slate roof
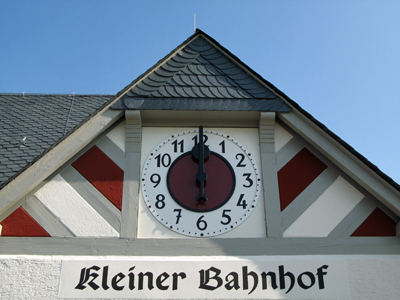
{"x": 170, "y": 84}
{"x": 200, "y": 77}
{"x": 180, "y": 68}
{"x": 209, "y": 104}
{"x": 32, "y": 124}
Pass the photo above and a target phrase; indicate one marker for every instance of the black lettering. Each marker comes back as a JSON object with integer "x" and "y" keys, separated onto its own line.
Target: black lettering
{"x": 160, "y": 279}
{"x": 104, "y": 279}
{"x": 149, "y": 280}
{"x": 272, "y": 275}
{"x": 131, "y": 279}
{"x": 205, "y": 278}
{"x": 245, "y": 281}
{"x": 175, "y": 280}
{"x": 234, "y": 283}
{"x": 82, "y": 280}
{"x": 117, "y": 278}
{"x": 282, "y": 276}
{"x": 320, "y": 274}
{"x": 301, "y": 282}
{"x": 85, "y": 276}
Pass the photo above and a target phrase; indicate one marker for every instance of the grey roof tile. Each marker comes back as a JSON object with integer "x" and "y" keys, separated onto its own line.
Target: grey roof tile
{"x": 42, "y": 119}
{"x": 202, "y": 76}
{"x": 199, "y": 71}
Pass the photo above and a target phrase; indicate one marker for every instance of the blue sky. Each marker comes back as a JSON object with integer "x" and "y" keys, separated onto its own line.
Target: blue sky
{"x": 339, "y": 60}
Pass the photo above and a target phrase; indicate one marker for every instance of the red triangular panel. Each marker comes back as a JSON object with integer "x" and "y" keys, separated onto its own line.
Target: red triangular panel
{"x": 20, "y": 223}
{"x": 377, "y": 224}
{"x": 297, "y": 174}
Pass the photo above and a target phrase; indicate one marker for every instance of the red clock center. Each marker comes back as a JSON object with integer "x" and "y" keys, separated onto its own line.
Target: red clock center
{"x": 184, "y": 188}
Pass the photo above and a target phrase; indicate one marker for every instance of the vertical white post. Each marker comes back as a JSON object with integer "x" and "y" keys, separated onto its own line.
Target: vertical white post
{"x": 269, "y": 175}
{"x": 130, "y": 195}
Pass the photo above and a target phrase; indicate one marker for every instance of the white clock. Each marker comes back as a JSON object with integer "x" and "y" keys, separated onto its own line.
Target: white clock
{"x": 200, "y": 184}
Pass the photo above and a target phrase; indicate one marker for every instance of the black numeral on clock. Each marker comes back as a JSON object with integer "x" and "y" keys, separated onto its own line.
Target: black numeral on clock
{"x": 164, "y": 160}
{"x": 160, "y": 204}
{"x": 240, "y": 157}
{"x": 178, "y": 146}
{"x": 225, "y": 215}
{"x": 222, "y": 144}
{"x": 241, "y": 202}
{"x": 196, "y": 139}
{"x": 179, "y": 215}
{"x": 155, "y": 178}
{"x": 201, "y": 224}
{"x": 248, "y": 179}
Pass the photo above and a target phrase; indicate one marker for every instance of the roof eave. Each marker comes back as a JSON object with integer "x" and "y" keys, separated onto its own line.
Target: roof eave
{"x": 19, "y": 186}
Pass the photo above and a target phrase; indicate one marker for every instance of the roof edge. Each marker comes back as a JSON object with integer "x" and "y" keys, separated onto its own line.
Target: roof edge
{"x": 54, "y": 94}
{"x": 157, "y": 64}
{"x": 295, "y": 105}
{"x": 63, "y": 138}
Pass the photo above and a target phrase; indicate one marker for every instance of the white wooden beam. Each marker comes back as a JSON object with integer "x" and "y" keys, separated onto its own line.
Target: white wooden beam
{"x": 269, "y": 173}
{"x": 130, "y": 194}
{"x": 345, "y": 160}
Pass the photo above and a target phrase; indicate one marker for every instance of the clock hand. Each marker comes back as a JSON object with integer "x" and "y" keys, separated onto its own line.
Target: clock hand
{"x": 201, "y": 152}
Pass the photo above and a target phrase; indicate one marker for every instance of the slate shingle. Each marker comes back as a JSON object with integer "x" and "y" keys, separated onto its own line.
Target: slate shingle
{"x": 196, "y": 73}
{"x": 199, "y": 76}
{"x": 199, "y": 70}
{"x": 41, "y": 119}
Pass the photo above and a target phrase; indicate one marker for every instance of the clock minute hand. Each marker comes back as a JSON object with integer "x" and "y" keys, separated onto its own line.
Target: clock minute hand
{"x": 201, "y": 152}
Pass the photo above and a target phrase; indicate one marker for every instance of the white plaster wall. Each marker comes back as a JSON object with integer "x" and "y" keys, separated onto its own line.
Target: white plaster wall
{"x": 374, "y": 277}
{"x": 326, "y": 212}
{"x": 72, "y": 210}
{"x": 37, "y": 277}
{"x": 282, "y": 137}
{"x": 29, "y": 277}
{"x": 117, "y": 135}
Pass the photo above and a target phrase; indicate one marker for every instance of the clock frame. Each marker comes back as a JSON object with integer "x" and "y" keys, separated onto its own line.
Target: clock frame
{"x": 201, "y": 222}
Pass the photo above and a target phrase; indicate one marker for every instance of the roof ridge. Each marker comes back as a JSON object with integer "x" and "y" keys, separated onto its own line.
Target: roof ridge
{"x": 53, "y": 94}
{"x": 200, "y": 69}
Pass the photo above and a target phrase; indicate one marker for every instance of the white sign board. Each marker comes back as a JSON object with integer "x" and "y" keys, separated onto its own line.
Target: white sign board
{"x": 204, "y": 278}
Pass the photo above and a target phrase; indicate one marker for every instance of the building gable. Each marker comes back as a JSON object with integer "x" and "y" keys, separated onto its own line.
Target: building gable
{"x": 274, "y": 205}
{"x": 200, "y": 77}
{"x": 315, "y": 197}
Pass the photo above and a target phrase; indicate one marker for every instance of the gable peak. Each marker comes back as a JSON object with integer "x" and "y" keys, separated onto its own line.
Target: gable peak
{"x": 200, "y": 70}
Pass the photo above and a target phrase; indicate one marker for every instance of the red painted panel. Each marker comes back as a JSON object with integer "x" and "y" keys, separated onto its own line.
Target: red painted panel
{"x": 102, "y": 173}
{"x": 20, "y": 223}
{"x": 297, "y": 174}
{"x": 185, "y": 188}
{"x": 377, "y": 224}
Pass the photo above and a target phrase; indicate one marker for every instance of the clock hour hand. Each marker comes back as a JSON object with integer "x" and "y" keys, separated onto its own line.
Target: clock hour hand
{"x": 201, "y": 152}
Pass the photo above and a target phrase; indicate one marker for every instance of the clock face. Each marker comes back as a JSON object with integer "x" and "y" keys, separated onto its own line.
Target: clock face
{"x": 200, "y": 184}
